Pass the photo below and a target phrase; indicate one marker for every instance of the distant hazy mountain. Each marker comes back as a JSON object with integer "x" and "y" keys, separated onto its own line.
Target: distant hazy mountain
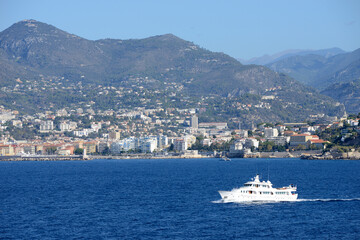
{"x": 267, "y": 59}
{"x": 319, "y": 71}
{"x": 347, "y": 93}
{"x": 31, "y": 50}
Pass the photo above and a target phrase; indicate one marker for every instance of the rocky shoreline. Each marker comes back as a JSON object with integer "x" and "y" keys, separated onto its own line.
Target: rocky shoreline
{"x": 353, "y": 155}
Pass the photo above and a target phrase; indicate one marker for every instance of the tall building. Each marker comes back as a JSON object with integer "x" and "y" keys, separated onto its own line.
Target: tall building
{"x": 162, "y": 141}
{"x": 194, "y": 121}
{"x": 180, "y": 145}
{"x": 149, "y": 145}
{"x": 46, "y": 126}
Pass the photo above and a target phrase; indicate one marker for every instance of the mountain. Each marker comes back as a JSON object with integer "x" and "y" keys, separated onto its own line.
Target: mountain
{"x": 44, "y": 49}
{"x": 347, "y": 74}
{"x": 54, "y": 68}
{"x": 347, "y": 93}
{"x": 267, "y": 59}
{"x": 319, "y": 71}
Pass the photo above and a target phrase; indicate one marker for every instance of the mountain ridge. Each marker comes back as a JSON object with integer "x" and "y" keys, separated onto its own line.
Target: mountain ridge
{"x": 318, "y": 71}
{"x": 268, "y": 59}
{"x": 43, "y": 52}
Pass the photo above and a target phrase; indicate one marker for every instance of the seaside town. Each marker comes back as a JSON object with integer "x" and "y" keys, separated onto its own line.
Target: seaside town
{"x": 139, "y": 132}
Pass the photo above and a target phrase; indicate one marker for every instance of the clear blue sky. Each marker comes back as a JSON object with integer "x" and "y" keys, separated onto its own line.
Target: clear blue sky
{"x": 242, "y": 29}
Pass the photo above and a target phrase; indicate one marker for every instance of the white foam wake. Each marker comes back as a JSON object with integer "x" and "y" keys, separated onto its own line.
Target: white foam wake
{"x": 297, "y": 200}
{"x": 328, "y": 200}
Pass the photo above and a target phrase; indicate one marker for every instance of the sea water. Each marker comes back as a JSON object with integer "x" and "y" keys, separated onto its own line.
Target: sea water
{"x": 176, "y": 199}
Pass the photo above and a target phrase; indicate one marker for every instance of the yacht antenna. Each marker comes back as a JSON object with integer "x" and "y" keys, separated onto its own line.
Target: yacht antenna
{"x": 268, "y": 169}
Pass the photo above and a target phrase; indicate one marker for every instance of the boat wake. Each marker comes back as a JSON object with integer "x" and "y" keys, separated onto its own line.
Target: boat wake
{"x": 297, "y": 200}
{"x": 328, "y": 200}
{"x": 245, "y": 202}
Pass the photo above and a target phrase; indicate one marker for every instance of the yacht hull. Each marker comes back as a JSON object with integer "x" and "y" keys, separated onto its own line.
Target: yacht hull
{"x": 233, "y": 196}
{"x": 256, "y": 190}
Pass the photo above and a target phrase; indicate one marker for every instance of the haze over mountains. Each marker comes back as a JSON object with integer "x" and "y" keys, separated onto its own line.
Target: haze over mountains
{"x": 325, "y": 70}
{"x": 267, "y": 59}
{"x": 31, "y": 51}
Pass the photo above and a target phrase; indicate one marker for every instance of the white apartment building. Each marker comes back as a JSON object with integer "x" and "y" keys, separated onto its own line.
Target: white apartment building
{"x": 251, "y": 142}
{"x": 180, "y": 145}
{"x": 149, "y": 145}
{"x": 96, "y": 126}
{"x": 46, "y": 126}
{"x": 279, "y": 140}
{"x": 162, "y": 141}
{"x": 237, "y": 146}
{"x": 67, "y": 126}
{"x": 81, "y": 133}
{"x": 271, "y": 132}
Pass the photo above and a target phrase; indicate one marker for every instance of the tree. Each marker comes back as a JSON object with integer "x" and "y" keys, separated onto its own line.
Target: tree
{"x": 269, "y": 148}
{"x": 51, "y": 150}
{"x": 300, "y": 147}
{"x": 106, "y": 151}
{"x": 79, "y": 151}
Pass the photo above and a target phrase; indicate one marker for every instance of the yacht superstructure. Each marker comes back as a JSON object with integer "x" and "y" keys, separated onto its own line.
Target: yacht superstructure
{"x": 256, "y": 190}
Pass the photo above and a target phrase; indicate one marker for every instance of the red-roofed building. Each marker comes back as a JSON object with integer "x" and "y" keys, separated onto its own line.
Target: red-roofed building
{"x": 301, "y": 139}
{"x": 317, "y": 142}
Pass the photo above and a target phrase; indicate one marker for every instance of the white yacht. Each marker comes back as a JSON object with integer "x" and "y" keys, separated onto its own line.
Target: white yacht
{"x": 256, "y": 190}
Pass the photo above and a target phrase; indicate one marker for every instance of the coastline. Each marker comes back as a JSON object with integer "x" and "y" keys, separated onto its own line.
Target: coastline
{"x": 92, "y": 157}
{"x": 44, "y": 158}
{"x": 306, "y": 155}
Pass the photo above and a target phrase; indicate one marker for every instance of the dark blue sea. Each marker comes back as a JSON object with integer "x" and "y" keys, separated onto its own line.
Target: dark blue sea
{"x": 176, "y": 199}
